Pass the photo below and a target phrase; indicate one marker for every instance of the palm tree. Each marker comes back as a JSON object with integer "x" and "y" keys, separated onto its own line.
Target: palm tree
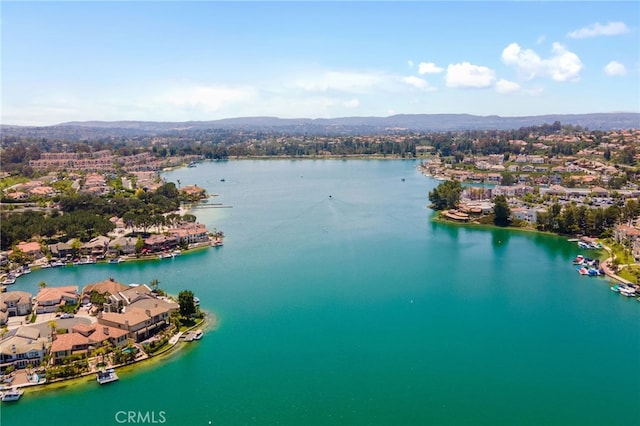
{"x": 53, "y": 326}
{"x": 154, "y": 284}
{"x": 42, "y": 284}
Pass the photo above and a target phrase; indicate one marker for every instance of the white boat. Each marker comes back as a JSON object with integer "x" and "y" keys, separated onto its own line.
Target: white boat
{"x": 628, "y": 291}
{"x": 106, "y": 376}
{"x": 9, "y": 279}
{"x": 12, "y": 395}
{"x": 198, "y": 335}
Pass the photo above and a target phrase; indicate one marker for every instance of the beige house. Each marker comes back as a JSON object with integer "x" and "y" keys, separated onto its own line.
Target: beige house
{"x": 50, "y": 299}
{"x": 141, "y": 319}
{"x": 14, "y": 303}
{"x": 21, "y": 347}
{"x": 122, "y": 245}
{"x": 107, "y": 287}
{"x": 190, "y": 233}
{"x": 97, "y": 247}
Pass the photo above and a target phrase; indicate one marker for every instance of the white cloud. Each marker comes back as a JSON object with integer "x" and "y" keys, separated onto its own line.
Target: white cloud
{"x": 615, "y": 68}
{"x": 418, "y": 83}
{"x": 466, "y": 75}
{"x": 541, "y": 39}
{"x": 597, "y": 29}
{"x": 410, "y": 63}
{"x": 429, "y": 68}
{"x": 505, "y": 86}
{"x": 563, "y": 65}
{"x": 527, "y": 61}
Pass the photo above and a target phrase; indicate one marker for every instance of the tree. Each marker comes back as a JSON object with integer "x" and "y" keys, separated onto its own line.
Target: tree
{"x": 508, "y": 179}
{"x": 139, "y": 245}
{"x": 501, "y": 211}
{"x": 154, "y": 284}
{"x": 187, "y": 306}
{"x": 446, "y": 195}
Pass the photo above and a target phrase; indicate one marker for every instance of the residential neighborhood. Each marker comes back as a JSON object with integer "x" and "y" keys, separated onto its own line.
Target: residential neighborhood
{"x": 63, "y": 331}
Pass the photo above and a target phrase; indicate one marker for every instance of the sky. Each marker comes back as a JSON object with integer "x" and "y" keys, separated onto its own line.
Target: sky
{"x": 207, "y": 60}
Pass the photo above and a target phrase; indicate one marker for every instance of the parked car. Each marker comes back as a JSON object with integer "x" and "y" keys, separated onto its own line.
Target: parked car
{"x": 67, "y": 316}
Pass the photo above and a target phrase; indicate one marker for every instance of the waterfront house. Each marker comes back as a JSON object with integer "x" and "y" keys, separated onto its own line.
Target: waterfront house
{"x": 157, "y": 243}
{"x": 61, "y": 250}
{"x": 97, "y": 247}
{"x": 190, "y": 232}
{"x": 50, "y": 299}
{"x": 21, "y": 347}
{"x": 84, "y": 339}
{"x": 68, "y": 344}
{"x": 122, "y": 245}
{"x": 525, "y": 214}
{"x": 494, "y": 178}
{"x": 31, "y": 249}
{"x": 193, "y": 191}
{"x": 142, "y": 319}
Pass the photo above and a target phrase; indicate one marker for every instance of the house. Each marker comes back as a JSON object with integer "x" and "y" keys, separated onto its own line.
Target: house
{"x": 599, "y": 191}
{"x": 21, "y": 347}
{"x": 61, "y": 250}
{"x": 68, "y": 344}
{"x": 107, "y": 287}
{"x": 624, "y": 233}
{"x": 193, "y": 191}
{"x": 189, "y": 232}
{"x": 494, "y": 178}
{"x": 42, "y": 191}
{"x": 50, "y": 299}
{"x": 31, "y": 249}
{"x": 156, "y": 243}
{"x": 131, "y": 294}
{"x": 84, "y": 339}
{"x": 556, "y": 190}
{"x": 122, "y": 245}
{"x": 142, "y": 319}
{"x": 97, "y": 247}
{"x": 14, "y": 303}
{"x": 528, "y": 215}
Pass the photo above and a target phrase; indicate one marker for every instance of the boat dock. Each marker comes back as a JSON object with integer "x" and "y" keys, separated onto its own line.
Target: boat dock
{"x": 190, "y": 336}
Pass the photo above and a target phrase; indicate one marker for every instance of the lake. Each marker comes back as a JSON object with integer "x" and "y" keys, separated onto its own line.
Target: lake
{"x": 341, "y": 302}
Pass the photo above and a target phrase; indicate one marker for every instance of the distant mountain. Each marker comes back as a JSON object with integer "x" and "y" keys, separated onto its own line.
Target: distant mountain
{"x": 327, "y": 126}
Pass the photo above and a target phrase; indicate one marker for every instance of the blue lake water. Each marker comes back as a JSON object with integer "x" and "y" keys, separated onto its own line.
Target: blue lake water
{"x": 340, "y": 302}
